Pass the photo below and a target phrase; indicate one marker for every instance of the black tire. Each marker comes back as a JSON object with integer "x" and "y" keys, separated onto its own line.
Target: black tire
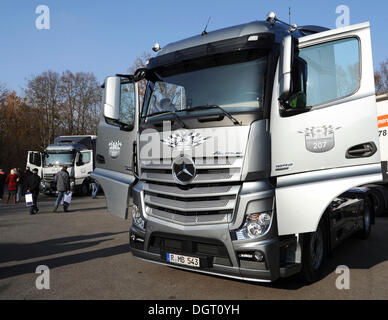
{"x": 367, "y": 222}
{"x": 378, "y": 202}
{"x": 85, "y": 188}
{"x": 313, "y": 254}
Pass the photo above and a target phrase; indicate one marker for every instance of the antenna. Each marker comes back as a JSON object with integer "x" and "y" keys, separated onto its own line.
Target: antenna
{"x": 289, "y": 15}
{"x": 271, "y": 18}
{"x": 204, "y": 32}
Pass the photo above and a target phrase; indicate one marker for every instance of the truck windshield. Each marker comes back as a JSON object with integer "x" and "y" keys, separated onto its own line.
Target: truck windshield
{"x": 52, "y": 159}
{"x": 234, "y": 82}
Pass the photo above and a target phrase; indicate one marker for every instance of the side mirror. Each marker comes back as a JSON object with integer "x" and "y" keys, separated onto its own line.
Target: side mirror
{"x": 78, "y": 159}
{"x": 286, "y": 56}
{"x": 127, "y": 127}
{"x": 112, "y": 98}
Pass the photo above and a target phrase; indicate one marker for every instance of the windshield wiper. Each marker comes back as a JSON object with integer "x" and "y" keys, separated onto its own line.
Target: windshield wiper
{"x": 168, "y": 112}
{"x": 204, "y": 107}
{"x": 215, "y": 106}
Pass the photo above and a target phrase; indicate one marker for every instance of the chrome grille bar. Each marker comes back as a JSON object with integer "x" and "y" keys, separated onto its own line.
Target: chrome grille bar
{"x": 210, "y": 198}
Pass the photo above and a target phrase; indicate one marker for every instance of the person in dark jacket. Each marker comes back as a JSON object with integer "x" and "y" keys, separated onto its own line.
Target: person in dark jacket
{"x": 62, "y": 180}
{"x": 32, "y": 183}
{"x": 2, "y": 183}
{"x": 23, "y": 180}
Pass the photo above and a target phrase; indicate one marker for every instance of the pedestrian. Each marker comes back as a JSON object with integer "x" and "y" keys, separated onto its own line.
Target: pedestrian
{"x": 2, "y": 182}
{"x": 32, "y": 183}
{"x": 12, "y": 183}
{"x": 62, "y": 181}
{"x": 95, "y": 188}
{"x": 25, "y": 176}
{"x": 20, "y": 185}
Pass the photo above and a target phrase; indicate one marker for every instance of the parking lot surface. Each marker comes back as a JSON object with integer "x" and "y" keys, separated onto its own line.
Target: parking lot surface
{"x": 87, "y": 253}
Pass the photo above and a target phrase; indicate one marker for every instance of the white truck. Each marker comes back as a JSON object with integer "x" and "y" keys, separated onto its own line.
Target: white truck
{"x": 249, "y": 156}
{"x": 77, "y": 152}
{"x": 379, "y": 192}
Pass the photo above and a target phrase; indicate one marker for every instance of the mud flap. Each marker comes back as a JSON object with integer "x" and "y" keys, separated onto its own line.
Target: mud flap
{"x": 117, "y": 189}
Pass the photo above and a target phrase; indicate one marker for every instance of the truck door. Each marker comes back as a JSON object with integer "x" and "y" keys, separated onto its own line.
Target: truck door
{"x": 35, "y": 160}
{"x": 116, "y": 142}
{"x": 324, "y": 135}
{"x": 83, "y": 167}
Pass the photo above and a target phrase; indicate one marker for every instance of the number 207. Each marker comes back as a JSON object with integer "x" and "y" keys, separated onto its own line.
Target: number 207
{"x": 319, "y": 145}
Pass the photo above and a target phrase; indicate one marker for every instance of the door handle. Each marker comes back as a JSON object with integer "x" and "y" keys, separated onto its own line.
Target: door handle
{"x": 362, "y": 150}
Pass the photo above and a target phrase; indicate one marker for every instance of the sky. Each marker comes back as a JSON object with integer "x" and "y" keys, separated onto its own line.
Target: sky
{"x": 105, "y": 37}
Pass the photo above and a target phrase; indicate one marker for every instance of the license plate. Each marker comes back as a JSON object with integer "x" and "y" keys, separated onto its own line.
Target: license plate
{"x": 185, "y": 260}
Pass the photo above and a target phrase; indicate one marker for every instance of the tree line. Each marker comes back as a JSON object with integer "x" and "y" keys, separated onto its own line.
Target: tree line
{"x": 52, "y": 104}
{"x": 66, "y": 103}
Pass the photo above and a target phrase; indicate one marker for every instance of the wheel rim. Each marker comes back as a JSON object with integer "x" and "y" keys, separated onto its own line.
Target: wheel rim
{"x": 316, "y": 248}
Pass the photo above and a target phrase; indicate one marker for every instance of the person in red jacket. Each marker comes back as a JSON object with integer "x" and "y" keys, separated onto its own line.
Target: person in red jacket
{"x": 12, "y": 183}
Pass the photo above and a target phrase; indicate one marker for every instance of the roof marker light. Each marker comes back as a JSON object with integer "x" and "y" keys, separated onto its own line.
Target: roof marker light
{"x": 156, "y": 47}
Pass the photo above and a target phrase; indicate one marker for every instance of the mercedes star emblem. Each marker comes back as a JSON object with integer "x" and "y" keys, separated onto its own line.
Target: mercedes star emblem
{"x": 183, "y": 170}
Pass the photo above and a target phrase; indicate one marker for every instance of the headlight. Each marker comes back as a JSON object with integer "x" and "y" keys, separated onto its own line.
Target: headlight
{"x": 256, "y": 225}
{"x": 137, "y": 217}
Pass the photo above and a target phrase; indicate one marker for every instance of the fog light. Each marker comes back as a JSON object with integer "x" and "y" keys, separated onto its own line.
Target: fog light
{"x": 137, "y": 217}
{"x": 258, "y": 255}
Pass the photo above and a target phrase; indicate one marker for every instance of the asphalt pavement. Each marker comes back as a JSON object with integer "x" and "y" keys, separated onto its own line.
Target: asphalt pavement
{"x": 87, "y": 254}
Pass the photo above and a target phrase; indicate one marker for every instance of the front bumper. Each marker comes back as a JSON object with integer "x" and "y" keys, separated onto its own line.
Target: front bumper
{"x": 216, "y": 244}
{"x": 48, "y": 186}
{"x": 219, "y": 255}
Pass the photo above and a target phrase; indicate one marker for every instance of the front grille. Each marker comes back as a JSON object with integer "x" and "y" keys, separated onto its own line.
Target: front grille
{"x": 49, "y": 176}
{"x": 210, "y": 198}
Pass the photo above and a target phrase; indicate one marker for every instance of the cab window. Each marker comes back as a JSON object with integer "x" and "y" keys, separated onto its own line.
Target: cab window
{"x": 325, "y": 72}
{"x": 127, "y": 104}
{"x": 86, "y": 157}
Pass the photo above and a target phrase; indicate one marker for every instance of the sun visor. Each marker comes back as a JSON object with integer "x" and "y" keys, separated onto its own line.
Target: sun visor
{"x": 259, "y": 40}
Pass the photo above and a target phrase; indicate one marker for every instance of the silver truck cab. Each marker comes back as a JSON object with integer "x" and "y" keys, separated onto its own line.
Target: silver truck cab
{"x": 245, "y": 150}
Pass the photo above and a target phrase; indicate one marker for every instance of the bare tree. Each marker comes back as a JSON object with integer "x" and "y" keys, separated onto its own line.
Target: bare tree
{"x": 67, "y": 104}
{"x": 54, "y": 104}
{"x": 80, "y": 109}
{"x": 43, "y": 93}
{"x": 89, "y": 96}
{"x": 67, "y": 111}
{"x": 381, "y": 78}
{"x": 141, "y": 62}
